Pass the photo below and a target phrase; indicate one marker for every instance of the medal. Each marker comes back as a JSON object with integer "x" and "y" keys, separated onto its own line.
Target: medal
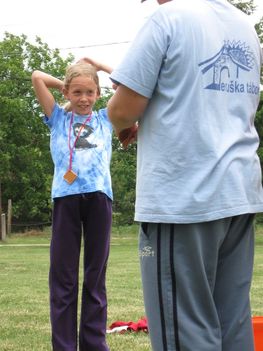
{"x": 70, "y": 175}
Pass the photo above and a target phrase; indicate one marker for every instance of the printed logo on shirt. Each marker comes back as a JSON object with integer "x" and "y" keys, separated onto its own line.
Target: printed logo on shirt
{"x": 83, "y": 142}
{"x": 227, "y": 70}
{"x": 147, "y": 251}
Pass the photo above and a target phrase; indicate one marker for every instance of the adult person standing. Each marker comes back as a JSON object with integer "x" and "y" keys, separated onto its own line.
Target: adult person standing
{"x": 191, "y": 78}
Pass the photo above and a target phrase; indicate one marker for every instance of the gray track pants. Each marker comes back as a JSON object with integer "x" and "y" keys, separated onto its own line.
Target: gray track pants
{"x": 196, "y": 281}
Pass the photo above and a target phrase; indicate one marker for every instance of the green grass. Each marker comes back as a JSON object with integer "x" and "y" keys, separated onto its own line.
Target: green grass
{"x": 257, "y": 283}
{"x": 24, "y": 305}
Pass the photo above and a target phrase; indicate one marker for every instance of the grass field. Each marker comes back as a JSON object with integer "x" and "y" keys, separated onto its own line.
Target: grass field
{"x": 24, "y": 305}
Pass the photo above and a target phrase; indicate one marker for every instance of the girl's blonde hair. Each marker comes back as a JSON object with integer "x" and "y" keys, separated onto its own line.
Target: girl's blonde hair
{"x": 77, "y": 70}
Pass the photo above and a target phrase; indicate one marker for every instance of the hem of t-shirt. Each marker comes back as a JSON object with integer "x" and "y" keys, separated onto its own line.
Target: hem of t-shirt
{"x": 197, "y": 217}
{"x": 56, "y": 196}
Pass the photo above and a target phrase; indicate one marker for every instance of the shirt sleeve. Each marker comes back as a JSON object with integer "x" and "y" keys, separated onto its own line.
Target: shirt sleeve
{"x": 140, "y": 67}
{"x": 51, "y": 121}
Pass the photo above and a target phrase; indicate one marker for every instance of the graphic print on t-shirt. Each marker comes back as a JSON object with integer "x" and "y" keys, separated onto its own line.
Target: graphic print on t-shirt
{"x": 83, "y": 142}
{"x": 227, "y": 71}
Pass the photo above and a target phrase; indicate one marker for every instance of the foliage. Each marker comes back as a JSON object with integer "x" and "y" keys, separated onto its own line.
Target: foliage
{"x": 259, "y": 127}
{"x": 26, "y": 166}
{"x": 245, "y": 6}
{"x": 123, "y": 173}
{"x": 259, "y": 29}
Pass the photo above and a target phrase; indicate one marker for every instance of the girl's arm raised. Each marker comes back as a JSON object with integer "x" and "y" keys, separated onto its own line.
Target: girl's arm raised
{"x": 42, "y": 82}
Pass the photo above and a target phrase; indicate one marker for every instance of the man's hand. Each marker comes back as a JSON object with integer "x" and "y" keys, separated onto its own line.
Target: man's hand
{"x": 128, "y": 136}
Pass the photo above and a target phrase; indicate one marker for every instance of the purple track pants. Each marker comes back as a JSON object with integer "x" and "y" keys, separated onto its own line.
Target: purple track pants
{"x": 88, "y": 215}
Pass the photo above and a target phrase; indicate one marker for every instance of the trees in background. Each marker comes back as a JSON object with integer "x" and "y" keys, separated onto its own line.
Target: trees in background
{"x": 26, "y": 167}
{"x": 123, "y": 174}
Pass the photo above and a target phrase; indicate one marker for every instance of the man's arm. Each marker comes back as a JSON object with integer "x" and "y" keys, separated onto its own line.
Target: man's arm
{"x": 125, "y": 107}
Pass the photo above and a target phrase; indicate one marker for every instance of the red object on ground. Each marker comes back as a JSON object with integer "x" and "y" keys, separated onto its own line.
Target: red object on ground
{"x": 120, "y": 326}
{"x": 141, "y": 325}
{"x": 258, "y": 332}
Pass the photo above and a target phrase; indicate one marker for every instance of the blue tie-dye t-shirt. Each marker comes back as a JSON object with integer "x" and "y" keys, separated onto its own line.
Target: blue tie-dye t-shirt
{"x": 91, "y": 154}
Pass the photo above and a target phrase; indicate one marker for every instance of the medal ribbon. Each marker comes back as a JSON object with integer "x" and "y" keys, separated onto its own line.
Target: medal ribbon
{"x": 71, "y": 149}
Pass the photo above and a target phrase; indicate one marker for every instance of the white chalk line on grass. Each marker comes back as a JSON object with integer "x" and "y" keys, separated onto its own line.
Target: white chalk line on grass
{"x": 35, "y": 245}
{"x": 24, "y": 245}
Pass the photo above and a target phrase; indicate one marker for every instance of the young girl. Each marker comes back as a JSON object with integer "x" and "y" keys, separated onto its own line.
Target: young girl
{"x": 82, "y": 195}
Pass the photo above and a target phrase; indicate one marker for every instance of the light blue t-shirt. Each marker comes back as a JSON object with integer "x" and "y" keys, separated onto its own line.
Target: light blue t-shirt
{"x": 91, "y": 155}
{"x": 198, "y": 61}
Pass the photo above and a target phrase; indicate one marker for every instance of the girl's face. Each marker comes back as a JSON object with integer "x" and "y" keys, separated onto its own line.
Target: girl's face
{"x": 82, "y": 94}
